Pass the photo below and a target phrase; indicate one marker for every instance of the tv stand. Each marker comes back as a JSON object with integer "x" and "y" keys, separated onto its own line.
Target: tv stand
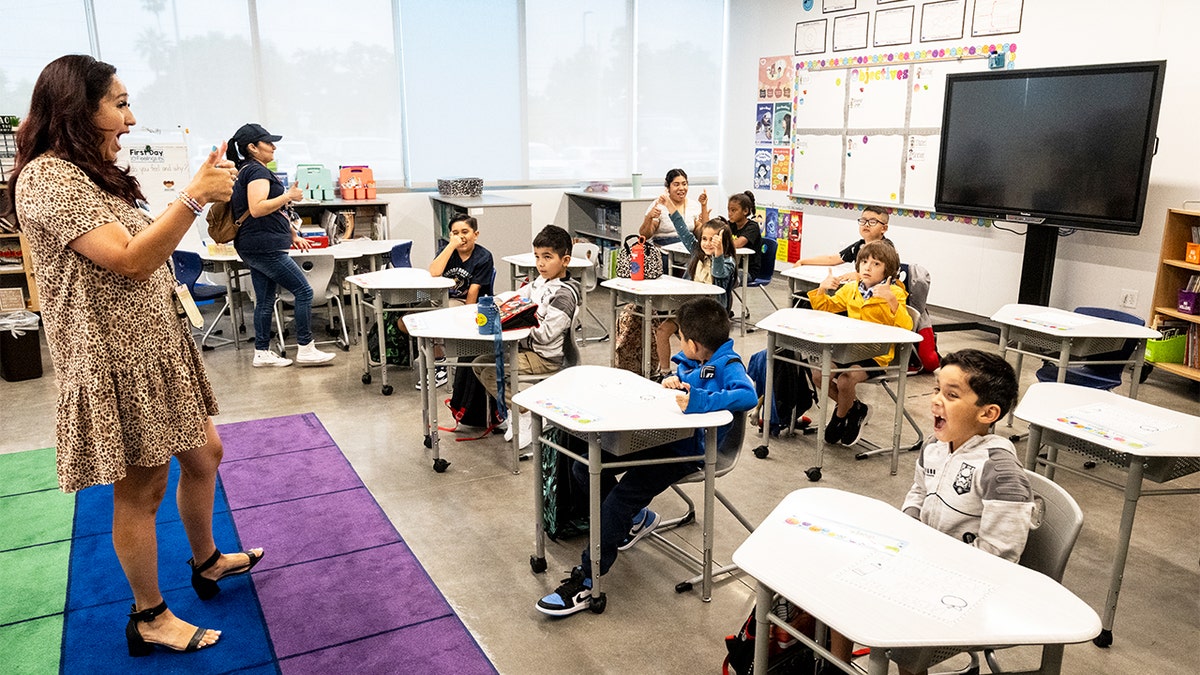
{"x": 1037, "y": 268}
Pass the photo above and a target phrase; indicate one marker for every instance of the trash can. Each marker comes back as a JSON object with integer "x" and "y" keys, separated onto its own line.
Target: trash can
{"x": 20, "y": 346}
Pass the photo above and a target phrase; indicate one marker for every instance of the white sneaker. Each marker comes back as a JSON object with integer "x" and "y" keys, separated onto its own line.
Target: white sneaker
{"x": 309, "y": 355}
{"x": 264, "y": 358}
{"x": 507, "y": 426}
{"x": 526, "y": 422}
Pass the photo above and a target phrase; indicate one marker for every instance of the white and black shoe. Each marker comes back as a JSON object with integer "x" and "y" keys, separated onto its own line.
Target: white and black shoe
{"x": 574, "y": 595}
{"x": 265, "y": 358}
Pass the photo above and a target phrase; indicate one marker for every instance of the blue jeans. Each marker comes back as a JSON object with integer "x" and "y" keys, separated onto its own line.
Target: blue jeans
{"x": 621, "y": 500}
{"x": 268, "y": 270}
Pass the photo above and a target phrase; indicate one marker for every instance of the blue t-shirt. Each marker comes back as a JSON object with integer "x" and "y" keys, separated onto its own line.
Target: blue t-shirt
{"x": 272, "y": 232}
{"x": 476, "y": 269}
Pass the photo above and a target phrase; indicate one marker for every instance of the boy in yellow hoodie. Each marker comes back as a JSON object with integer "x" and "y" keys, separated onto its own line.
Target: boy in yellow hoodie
{"x": 875, "y": 298}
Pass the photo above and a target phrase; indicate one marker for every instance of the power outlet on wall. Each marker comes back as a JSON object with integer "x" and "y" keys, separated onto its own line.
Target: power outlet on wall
{"x": 1128, "y": 297}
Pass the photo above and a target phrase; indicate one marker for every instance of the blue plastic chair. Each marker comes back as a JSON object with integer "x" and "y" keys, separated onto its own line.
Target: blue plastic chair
{"x": 400, "y": 255}
{"x": 766, "y": 269}
{"x": 1106, "y": 376}
{"x": 188, "y": 267}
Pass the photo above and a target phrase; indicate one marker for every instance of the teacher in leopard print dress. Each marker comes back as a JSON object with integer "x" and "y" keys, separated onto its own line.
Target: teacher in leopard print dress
{"x": 132, "y": 391}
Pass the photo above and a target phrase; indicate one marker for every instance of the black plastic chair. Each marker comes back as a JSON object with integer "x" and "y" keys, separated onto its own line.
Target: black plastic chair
{"x": 766, "y": 269}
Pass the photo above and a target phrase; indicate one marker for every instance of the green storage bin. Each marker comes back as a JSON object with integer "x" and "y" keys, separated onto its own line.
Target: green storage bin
{"x": 1169, "y": 350}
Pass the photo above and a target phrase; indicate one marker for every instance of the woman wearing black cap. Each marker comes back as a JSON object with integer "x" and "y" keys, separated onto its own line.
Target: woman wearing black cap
{"x": 263, "y": 241}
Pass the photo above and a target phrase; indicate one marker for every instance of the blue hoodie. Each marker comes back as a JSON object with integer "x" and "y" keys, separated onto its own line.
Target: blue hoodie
{"x": 720, "y": 383}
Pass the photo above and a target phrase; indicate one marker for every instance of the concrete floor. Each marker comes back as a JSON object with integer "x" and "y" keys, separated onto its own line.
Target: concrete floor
{"x": 472, "y": 526}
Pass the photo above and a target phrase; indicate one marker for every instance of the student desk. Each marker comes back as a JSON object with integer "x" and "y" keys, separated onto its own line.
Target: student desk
{"x": 410, "y": 289}
{"x": 1148, "y": 441}
{"x": 1045, "y": 331}
{"x": 804, "y": 278}
{"x": 678, "y": 250}
{"x": 664, "y": 294}
{"x": 525, "y": 263}
{"x": 833, "y": 338}
{"x": 885, "y": 580}
{"x": 632, "y": 413}
{"x": 457, "y": 327}
{"x": 344, "y": 252}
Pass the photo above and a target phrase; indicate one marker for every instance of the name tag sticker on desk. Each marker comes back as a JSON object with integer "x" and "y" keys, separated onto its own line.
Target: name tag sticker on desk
{"x": 1056, "y": 320}
{"x": 1118, "y": 426}
{"x": 570, "y": 412}
{"x": 847, "y": 533}
{"x": 919, "y": 585}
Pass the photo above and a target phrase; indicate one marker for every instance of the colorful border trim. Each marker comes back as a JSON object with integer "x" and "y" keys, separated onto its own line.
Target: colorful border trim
{"x": 978, "y": 51}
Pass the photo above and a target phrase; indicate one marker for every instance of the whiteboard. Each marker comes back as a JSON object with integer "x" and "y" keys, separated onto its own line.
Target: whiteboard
{"x": 161, "y": 168}
{"x": 870, "y": 133}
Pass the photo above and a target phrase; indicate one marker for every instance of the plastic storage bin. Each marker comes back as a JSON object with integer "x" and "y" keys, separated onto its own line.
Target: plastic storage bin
{"x": 20, "y": 346}
{"x": 316, "y": 181}
{"x": 357, "y": 182}
{"x": 1169, "y": 350}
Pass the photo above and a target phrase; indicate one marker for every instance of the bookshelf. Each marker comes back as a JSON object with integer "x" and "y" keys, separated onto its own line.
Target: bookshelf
{"x": 1173, "y": 275}
{"x": 605, "y": 219}
{"x": 18, "y": 277}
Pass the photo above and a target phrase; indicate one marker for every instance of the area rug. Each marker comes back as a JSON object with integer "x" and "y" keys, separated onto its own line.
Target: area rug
{"x": 338, "y": 589}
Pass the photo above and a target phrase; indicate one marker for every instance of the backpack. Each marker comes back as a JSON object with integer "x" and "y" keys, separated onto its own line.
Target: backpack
{"x": 786, "y": 656}
{"x": 222, "y": 228}
{"x": 395, "y": 345}
{"x": 470, "y": 403}
{"x": 792, "y": 389}
{"x": 564, "y": 504}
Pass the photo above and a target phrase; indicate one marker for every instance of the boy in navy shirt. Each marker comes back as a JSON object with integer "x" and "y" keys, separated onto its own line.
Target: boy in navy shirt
{"x": 470, "y": 266}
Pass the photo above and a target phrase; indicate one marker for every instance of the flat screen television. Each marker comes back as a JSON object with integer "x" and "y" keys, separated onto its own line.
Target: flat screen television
{"x": 1066, "y": 147}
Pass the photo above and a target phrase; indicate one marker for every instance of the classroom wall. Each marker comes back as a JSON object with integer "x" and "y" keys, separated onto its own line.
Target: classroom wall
{"x": 977, "y": 269}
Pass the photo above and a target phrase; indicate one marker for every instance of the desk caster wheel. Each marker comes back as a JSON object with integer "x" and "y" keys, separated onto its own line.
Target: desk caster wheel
{"x": 242, "y": 328}
{"x": 814, "y": 474}
{"x": 538, "y": 565}
{"x": 386, "y": 390}
{"x": 428, "y": 442}
{"x": 1104, "y": 639}
{"x": 344, "y": 345}
{"x": 861, "y": 456}
{"x": 1089, "y": 464}
{"x": 207, "y": 348}
{"x": 366, "y": 378}
{"x": 683, "y": 587}
{"x": 439, "y": 465}
{"x": 761, "y": 452}
{"x": 598, "y": 604}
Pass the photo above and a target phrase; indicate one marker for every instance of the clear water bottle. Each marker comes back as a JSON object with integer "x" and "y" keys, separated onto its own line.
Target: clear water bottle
{"x": 488, "y": 316}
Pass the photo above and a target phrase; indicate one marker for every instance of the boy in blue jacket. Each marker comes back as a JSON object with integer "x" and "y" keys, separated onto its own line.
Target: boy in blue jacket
{"x": 709, "y": 376}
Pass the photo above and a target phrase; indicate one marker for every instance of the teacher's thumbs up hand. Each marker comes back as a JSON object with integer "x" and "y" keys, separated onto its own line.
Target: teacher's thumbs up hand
{"x": 212, "y": 183}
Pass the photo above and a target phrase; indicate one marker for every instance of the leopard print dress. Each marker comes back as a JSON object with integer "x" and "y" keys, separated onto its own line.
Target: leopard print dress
{"x": 132, "y": 390}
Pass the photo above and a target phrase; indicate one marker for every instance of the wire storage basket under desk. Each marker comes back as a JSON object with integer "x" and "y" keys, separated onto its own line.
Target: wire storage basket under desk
{"x": 1157, "y": 469}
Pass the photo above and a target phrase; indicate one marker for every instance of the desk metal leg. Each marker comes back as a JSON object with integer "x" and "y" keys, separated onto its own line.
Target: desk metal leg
{"x": 511, "y": 378}
{"x": 1064, "y": 357}
{"x": 745, "y": 309}
{"x": 763, "y": 599}
{"x": 1139, "y": 360}
{"x": 901, "y": 380}
{"x": 647, "y": 328}
{"x": 598, "y": 599}
{"x": 1052, "y": 656}
{"x": 538, "y": 561}
{"x": 356, "y": 298}
{"x": 824, "y": 415}
{"x": 878, "y": 663}
{"x": 381, "y": 343}
{"x": 1032, "y": 447}
{"x": 429, "y": 399}
{"x": 763, "y": 450}
{"x": 710, "y": 475}
{"x": 1133, "y": 491}
{"x": 232, "y": 288}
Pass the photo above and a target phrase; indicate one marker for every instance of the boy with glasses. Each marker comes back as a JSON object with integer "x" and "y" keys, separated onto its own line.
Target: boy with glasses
{"x": 872, "y": 226}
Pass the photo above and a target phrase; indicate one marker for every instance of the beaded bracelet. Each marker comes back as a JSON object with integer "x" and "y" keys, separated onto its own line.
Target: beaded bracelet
{"x": 191, "y": 203}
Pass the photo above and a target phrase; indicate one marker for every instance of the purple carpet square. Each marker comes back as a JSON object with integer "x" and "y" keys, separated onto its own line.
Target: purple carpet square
{"x": 332, "y": 524}
{"x": 273, "y": 435}
{"x": 266, "y": 480}
{"x": 438, "y": 646}
{"x": 327, "y": 602}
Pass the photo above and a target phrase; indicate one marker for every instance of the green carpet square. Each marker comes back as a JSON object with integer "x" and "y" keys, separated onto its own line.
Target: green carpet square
{"x": 35, "y": 581}
{"x": 27, "y": 471}
{"x": 32, "y": 647}
{"x": 35, "y": 518}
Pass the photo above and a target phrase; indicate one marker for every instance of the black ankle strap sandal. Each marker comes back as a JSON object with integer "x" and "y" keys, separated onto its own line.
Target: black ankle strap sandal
{"x": 207, "y": 588}
{"x": 140, "y": 646}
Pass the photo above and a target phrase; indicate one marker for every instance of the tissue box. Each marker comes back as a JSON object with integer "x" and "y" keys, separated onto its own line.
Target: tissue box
{"x": 460, "y": 187}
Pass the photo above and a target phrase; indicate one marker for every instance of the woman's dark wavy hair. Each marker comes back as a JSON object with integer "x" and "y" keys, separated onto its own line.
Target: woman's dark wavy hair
{"x": 61, "y": 122}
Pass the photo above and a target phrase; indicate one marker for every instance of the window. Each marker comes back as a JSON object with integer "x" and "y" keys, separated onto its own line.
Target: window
{"x": 516, "y": 91}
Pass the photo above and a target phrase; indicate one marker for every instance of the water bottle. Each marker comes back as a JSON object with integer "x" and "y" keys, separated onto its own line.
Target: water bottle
{"x": 488, "y": 317}
{"x": 637, "y": 261}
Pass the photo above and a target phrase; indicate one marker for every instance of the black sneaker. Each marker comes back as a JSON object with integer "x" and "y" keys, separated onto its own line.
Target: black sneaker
{"x": 834, "y": 428}
{"x": 855, "y": 421}
{"x": 574, "y": 595}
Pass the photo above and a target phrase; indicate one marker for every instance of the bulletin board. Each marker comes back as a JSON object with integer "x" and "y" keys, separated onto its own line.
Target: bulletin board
{"x": 867, "y": 129}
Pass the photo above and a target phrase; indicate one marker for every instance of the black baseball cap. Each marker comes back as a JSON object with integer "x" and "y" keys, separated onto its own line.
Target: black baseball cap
{"x": 253, "y": 133}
